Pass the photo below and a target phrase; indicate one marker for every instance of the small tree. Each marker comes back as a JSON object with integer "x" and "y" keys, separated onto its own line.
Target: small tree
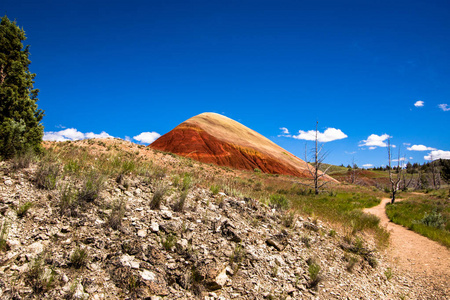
{"x": 20, "y": 129}
{"x": 394, "y": 180}
{"x": 319, "y": 157}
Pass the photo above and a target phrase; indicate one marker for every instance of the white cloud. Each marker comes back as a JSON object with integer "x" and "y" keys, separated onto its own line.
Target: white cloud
{"x": 72, "y": 134}
{"x": 444, "y": 107}
{"x": 375, "y": 141}
{"x": 368, "y": 166}
{"x": 330, "y": 134}
{"x": 420, "y": 148}
{"x": 401, "y": 159}
{"x": 91, "y": 135}
{"x": 285, "y": 132}
{"x": 437, "y": 154}
{"x": 372, "y": 148}
{"x": 147, "y": 137}
{"x": 410, "y": 158}
{"x": 419, "y": 103}
{"x": 127, "y": 138}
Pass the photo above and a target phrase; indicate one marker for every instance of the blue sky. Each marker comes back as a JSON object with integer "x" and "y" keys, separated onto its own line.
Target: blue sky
{"x": 139, "y": 68}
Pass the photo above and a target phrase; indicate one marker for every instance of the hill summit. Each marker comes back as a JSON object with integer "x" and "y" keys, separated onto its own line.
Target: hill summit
{"x": 213, "y": 138}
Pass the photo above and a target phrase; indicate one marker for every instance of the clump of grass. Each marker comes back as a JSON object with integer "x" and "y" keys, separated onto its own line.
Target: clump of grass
{"x": 47, "y": 174}
{"x": 117, "y": 214}
{"x": 314, "y": 273}
{"x": 3, "y": 234}
{"x": 214, "y": 189}
{"x": 169, "y": 241}
{"x": 179, "y": 205}
{"x": 238, "y": 255}
{"x": 91, "y": 188}
{"x": 23, "y": 160}
{"x": 72, "y": 166}
{"x": 388, "y": 273}
{"x": 23, "y": 209}
{"x": 351, "y": 262}
{"x": 306, "y": 240}
{"x": 40, "y": 278}
{"x": 332, "y": 233}
{"x": 278, "y": 201}
{"x": 425, "y": 215}
{"x": 288, "y": 219}
{"x": 78, "y": 258}
{"x": 187, "y": 182}
{"x": 68, "y": 202}
{"x": 158, "y": 196}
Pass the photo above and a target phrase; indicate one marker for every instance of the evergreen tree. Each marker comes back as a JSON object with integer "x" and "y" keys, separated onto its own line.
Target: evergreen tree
{"x": 20, "y": 127}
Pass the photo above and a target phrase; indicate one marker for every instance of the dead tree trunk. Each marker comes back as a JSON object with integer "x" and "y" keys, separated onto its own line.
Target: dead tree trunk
{"x": 315, "y": 171}
{"x": 395, "y": 182}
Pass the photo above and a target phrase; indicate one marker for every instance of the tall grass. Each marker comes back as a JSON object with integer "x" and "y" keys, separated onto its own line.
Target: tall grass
{"x": 426, "y": 215}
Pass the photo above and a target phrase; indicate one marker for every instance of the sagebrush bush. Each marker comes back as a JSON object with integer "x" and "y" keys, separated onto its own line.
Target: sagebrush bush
{"x": 47, "y": 174}
{"x": 90, "y": 190}
{"x": 278, "y": 201}
{"x": 68, "y": 202}
{"x": 117, "y": 214}
{"x": 158, "y": 196}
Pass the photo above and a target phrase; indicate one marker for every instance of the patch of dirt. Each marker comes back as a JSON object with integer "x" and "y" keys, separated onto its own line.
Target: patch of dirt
{"x": 413, "y": 253}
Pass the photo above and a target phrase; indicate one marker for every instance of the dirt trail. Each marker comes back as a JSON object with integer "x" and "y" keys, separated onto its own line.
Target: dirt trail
{"x": 413, "y": 253}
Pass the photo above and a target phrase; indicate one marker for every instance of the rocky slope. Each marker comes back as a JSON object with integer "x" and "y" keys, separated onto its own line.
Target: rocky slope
{"x": 120, "y": 245}
{"x": 213, "y": 138}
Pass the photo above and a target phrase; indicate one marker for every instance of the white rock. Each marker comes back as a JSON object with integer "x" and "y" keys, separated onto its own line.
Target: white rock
{"x": 154, "y": 226}
{"x": 8, "y": 182}
{"x": 148, "y": 275}
{"x": 79, "y": 292}
{"x": 129, "y": 261}
{"x": 142, "y": 233}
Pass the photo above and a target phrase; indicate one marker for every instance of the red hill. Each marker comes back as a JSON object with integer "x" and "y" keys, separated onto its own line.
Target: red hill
{"x": 213, "y": 138}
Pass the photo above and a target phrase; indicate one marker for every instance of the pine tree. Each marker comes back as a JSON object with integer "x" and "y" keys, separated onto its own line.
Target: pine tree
{"x": 20, "y": 127}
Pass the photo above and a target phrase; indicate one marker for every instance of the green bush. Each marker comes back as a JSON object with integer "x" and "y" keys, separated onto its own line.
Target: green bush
{"x": 279, "y": 201}
{"x": 214, "y": 189}
{"x": 91, "y": 188}
{"x": 314, "y": 273}
{"x": 158, "y": 196}
{"x": 117, "y": 214}
{"x": 78, "y": 258}
{"x": 47, "y": 174}
{"x": 23, "y": 209}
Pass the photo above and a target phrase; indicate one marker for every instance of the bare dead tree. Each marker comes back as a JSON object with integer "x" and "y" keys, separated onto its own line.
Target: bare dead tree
{"x": 354, "y": 173}
{"x": 395, "y": 180}
{"x": 434, "y": 174}
{"x": 319, "y": 158}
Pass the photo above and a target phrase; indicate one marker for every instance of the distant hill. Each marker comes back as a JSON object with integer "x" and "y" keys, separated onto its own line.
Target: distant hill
{"x": 213, "y": 138}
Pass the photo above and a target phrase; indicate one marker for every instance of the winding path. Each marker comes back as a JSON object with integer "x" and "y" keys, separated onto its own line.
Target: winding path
{"x": 413, "y": 253}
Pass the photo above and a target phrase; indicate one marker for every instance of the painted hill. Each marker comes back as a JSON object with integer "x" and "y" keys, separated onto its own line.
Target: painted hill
{"x": 213, "y": 138}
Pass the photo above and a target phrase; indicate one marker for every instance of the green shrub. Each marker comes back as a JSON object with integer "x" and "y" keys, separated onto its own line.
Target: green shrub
{"x": 117, "y": 214}
{"x": 78, "y": 258}
{"x": 169, "y": 241}
{"x": 158, "y": 196}
{"x": 23, "y": 160}
{"x": 47, "y": 174}
{"x": 23, "y": 209}
{"x": 68, "y": 202}
{"x": 314, "y": 273}
{"x": 179, "y": 205}
{"x": 214, "y": 189}
{"x": 187, "y": 181}
{"x": 388, "y": 273}
{"x": 91, "y": 188}
{"x": 40, "y": 278}
{"x": 3, "y": 233}
{"x": 434, "y": 219}
{"x": 279, "y": 201}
